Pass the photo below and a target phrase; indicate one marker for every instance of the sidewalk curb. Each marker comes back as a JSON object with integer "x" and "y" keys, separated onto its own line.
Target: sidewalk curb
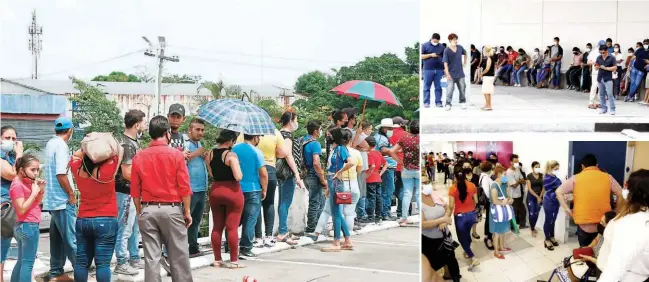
{"x": 208, "y": 260}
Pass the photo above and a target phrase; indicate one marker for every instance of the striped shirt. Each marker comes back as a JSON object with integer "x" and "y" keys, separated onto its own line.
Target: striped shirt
{"x": 57, "y": 156}
{"x": 551, "y": 183}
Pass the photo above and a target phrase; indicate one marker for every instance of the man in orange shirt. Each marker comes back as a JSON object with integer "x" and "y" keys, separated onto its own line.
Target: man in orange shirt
{"x": 397, "y": 134}
{"x": 591, "y": 189}
{"x": 162, "y": 194}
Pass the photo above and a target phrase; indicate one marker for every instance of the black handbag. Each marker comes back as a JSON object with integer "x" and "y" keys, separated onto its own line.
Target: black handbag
{"x": 8, "y": 220}
{"x": 448, "y": 244}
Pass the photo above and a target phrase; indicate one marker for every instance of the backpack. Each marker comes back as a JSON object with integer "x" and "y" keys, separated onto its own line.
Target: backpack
{"x": 283, "y": 169}
{"x": 100, "y": 146}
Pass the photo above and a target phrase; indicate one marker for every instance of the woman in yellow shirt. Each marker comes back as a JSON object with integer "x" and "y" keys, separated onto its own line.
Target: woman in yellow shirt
{"x": 350, "y": 180}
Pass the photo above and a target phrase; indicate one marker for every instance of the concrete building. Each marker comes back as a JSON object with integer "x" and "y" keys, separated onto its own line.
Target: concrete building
{"x": 530, "y": 24}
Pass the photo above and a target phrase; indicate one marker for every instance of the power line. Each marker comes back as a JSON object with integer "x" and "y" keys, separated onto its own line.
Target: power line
{"x": 86, "y": 65}
{"x": 200, "y": 58}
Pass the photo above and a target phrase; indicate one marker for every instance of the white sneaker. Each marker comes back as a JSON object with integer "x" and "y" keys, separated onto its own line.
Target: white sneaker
{"x": 258, "y": 243}
{"x": 269, "y": 242}
{"x": 447, "y": 108}
{"x": 463, "y": 106}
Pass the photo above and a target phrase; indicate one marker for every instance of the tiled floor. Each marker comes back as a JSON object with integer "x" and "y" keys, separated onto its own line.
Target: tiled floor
{"x": 529, "y": 260}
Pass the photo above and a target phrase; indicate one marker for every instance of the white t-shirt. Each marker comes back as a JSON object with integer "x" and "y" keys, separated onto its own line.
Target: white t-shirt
{"x": 622, "y": 57}
{"x": 624, "y": 256}
{"x": 592, "y": 58}
{"x": 485, "y": 184}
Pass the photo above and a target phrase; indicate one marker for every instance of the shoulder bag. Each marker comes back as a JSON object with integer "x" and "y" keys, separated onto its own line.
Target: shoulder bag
{"x": 8, "y": 220}
{"x": 342, "y": 198}
{"x": 501, "y": 213}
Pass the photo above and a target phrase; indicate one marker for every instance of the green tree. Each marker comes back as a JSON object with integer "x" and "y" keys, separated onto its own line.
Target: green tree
{"x": 185, "y": 78}
{"x": 117, "y": 76}
{"x": 413, "y": 58}
{"x": 93, "y": 112}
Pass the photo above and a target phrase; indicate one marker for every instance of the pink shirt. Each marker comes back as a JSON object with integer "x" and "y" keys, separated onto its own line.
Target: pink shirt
{"x": 22, "y": 188}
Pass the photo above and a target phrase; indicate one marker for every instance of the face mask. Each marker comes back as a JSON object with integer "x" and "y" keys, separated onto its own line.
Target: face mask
{"x": 516, "y": 165}
{"x": 389, "y": 133}
{"x": 625, "y": 193}
{"x": 435, "y": 43}
{"x": 600, "y": 229}
{"x": 557, "y": 173}
{"x": 575, "y": 53}
{"x": 139, "y": 135}
{"x": 588, "y": 49}
{"x": 320, "y": 132}
{"x": 646, "y": 46}
{"x": 467, "y": 170}
{"x": 461, "y": 156}
{"x": 617, "y": 49}
{"x": 296, "y": 126}
{"x": 428, "y": 189}
{"x": 537, "y": 170}
{"x": 7, "y": 146}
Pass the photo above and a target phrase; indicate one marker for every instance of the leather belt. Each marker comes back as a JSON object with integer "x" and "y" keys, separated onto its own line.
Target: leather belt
{"x": 146, "y": 204}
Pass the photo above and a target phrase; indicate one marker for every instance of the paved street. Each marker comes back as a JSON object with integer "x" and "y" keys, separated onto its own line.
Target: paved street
{"x": 527, "y": 109}
{"x": 389, "y": 255}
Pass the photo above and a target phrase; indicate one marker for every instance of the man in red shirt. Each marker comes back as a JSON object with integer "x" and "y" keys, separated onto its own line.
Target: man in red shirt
{"x": 397, "y": 134}
{"x": 162, "y": 194}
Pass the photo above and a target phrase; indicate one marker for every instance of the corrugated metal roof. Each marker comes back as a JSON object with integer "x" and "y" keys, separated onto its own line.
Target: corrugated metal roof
{"x": 137, "y": 88}
{"x": 34, "y": 104}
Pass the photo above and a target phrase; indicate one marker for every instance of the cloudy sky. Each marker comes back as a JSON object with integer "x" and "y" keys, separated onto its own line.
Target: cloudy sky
{"x": 227, "y": 39}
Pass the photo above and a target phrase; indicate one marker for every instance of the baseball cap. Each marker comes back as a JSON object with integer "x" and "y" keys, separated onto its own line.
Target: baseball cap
{"x": 62, "y": 123}
{"x": 399, "y": 121}
{"x": 177, "y": 109}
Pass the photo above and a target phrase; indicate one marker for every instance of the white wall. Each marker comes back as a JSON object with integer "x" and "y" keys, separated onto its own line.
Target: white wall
{"x": 534, "y": 23}
{"x": 543, "y": 151}
{"x": 438, "y": 146}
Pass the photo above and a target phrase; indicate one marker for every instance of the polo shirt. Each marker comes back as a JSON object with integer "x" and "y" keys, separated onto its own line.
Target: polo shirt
{"x": 605, "y": 75}
{"x": 57, "y": 155}
{"x": 556, "y": 51}
{"x": 22, "y": 188}
{"x": 641, "y": 55}
{"x": 397, "y": 134}
{"x": 159, "y": 174}
{"x": 432, "y": 63}
{"x": 511, "y": 57}
{"x": 251, "y": 159}
{"x": 454, "y": 60}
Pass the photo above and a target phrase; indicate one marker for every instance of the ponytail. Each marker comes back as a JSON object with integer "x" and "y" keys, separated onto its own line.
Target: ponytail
{"x": 461, "y": 184}
{"x": 24, "y": 161}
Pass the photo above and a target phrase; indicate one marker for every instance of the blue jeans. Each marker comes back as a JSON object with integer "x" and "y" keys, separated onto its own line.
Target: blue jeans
{"x": 531, "y": 75}
{"x": 196, "y": 208}
{"x": 433, "y": 77}
{"x": 5, "y": 244}
{"x": 606, "y": 90}
{"x": 96, "y": 239}
{"x": 450, "y": 88}
{"x": 398, "y": 192}
{"x": 126, "y": 240}
{"x": 410, "y": 187}
{"x": 551, "y": 209}
{"x": 374, "y": 200}
{"x": 637, "y": 76}
{"x": 336, "y": 209}
{"x": 517, "y": 77}
{"x": 556, "y": 80}
{"x": 463, "y": 224}
{"x": 249, "y": 217}
{"x": 533, "y": 208}
{"x": 316, "y": 201}
{"x": 63, "y": 242}
{"x": 541, "y": 74}
{"x": 505, "y": 71}
{"x": 361, "y": 207}
{"x": 27, "y": 235}
{"x": 387, "y": 190}
{"x": 286, "y": 191}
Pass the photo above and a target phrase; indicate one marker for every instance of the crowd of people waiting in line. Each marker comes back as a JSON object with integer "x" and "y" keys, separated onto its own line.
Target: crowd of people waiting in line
{"x": 160, "y": 192}
{"x": 606, "y": 73}
{"x": 612, "y": 222}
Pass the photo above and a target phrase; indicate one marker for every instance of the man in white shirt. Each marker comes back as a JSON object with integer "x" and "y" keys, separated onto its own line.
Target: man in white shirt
{"x": 593, "y": 102}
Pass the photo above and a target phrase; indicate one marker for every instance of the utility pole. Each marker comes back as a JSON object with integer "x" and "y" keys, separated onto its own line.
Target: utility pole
{"x": 35, "y": 44}
{"x": 160, "y": 55}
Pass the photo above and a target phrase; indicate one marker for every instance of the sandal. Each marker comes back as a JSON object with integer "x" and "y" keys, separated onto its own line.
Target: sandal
{"x": 554, "y": 242}
{"x": 219, "y": 263}
{"x": 548, "y": 245}
{"x": 331, "y": 249}
{"x": 287, "y": 240}
{"x": 347, "y": 248}
{"x": 486, "y": 109}
{"x": 235, "y": 265}
{"x": 506, "y": 250}
{"x": 499, "y": 256}
{"x": 476, "y": 236}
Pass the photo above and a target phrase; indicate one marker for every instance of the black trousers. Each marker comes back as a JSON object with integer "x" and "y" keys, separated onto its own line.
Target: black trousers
{"x": 440, "y": 258}
{"x": 586, "y": 79}
{"x": 520, "y": 211}
{"x": 572, "y": 76}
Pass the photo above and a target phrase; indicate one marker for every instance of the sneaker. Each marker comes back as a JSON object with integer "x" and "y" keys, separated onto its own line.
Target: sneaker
{"x": 258, "y": 243}
{"x": 197, "y": 254}
{"x": 378, "y": 221}
{"x": 448, "y": 107}
{"x": 602, "y": 112}
{"x": 612, "y": 113}
{"x": 463, "y": 106}
{"x": 138, "y": 264}
{"x": 247, "y": 255}
{"x": 269, "y": 242}
{"x": 125, "y": 269}
{"x": 439, "y": 105}
{"x": 357, "y": 228}
{"x": 426, "y": 106}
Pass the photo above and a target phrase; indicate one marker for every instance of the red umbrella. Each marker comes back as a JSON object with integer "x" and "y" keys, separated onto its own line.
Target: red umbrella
{"x": 367, "y": 90}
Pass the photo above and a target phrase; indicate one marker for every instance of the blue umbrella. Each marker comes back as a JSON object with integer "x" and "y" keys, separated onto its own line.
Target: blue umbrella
{"x": 237, "y": 115}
